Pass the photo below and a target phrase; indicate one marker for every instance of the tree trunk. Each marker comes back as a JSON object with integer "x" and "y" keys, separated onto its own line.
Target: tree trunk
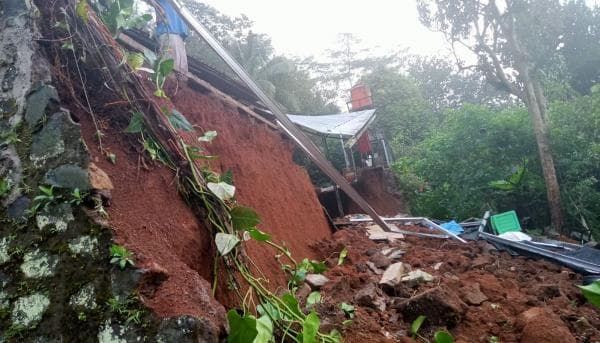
{"x": 536, "y": 109}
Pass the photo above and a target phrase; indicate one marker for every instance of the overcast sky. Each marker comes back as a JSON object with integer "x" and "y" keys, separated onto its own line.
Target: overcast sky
{"x": 309, "y": 27}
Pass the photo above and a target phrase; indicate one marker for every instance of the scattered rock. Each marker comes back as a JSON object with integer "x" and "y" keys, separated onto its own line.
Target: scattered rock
{"x": 41, "y": 102}
{"x": 303, "y": 292}
{"x": 371, "y": 251}
{"x": 539, "y": 324}
{"x": 361, "y": 268}
{"x": 186, "y": 329}
{"x": 316, "y": 281}
{"x": 4, "y": 250}
{"x": 30, "y": 309}
{"x": 481, "y": 261}
{"x": 416, "y": 277}
{"x": 374, "y": 269}
{"x": 85, "y": 298}
{"x": 56, "y": 217}
{"x": 396, "y": 254}
{"x": 440, "y": 306}
{"x": 370, "y": 296}
{"x": 69, "y": 176}
{"x": 58, "y": 143}
{"x": 37, "y": 264}
{"x": 473, "y": 296}
{"x": 98, "y": 178}
{"x": 546, "y": 291}
{"x": 380, "y": 260}
{"x": 393, "y": 274}
{"x": 437, "y": 266}
{"x": 16, "y": 210}
{"x": 390, "y": 237}
{"x": 84, "y": 245}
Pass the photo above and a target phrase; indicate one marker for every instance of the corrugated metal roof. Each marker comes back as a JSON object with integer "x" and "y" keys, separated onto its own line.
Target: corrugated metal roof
{"x": 348, "y": 126}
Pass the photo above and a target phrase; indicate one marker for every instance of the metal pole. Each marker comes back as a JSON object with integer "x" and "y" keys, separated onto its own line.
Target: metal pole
{"x": 345, "y": 155}
{"x": 283, "y": 121}
{"x": 385, "y": 152}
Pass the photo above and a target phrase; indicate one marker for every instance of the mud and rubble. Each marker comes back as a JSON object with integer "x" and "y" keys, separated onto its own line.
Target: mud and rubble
{"x": 478, "y": 293}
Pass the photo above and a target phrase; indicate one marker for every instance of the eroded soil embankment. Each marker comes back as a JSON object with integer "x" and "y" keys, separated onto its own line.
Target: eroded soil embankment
{"x": 265, "y": 176}
{"x": 150, "y": 218}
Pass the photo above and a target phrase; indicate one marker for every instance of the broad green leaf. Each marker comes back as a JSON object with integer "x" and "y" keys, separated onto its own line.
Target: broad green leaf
{"x": 208, "y": 136}
{"x": 4, "y": 187}
{"x": 517, "y": 176}
{"x": 443, "y": 337}
{"x": 342, "y": 256}
{"x": 502, "y": 185}
{"x": 135, "y": 60}
{"x": 166, "y": 66}
{"x": 292, "y": 303}
{"x": 416, "y": 325}
{"x": 222, "y": 190}
{"x": 264, "y": 326}
{"x": 227, "y": 177}
{"x": 318, "y": 267}
{"x": 348, "y": 309}
{"x": 243, "y": 218}
{"x": 82, "y": 10}
{"x": 258, "y": 235}
{"x": 592, "y": 293}
{"x": 313, "y": 298}
{"x": 241, "y": 329}
{"x": 179, "y": 121}
{"x": 226, "y": 242}
{"x": 136, "y": 123}
{"x": 310, "y": 328}
{"x": 268, "y": 309}
{"x": 336, "y": 335}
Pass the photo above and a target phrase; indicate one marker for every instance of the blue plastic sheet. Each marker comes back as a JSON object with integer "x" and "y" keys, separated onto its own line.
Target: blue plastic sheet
{"x": 453, "y": 227}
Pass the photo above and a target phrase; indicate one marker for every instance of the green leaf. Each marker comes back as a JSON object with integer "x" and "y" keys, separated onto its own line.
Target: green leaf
{"x": 241, "y": 329}
{"x": 348, "y": 309}
{"x": 310, "y": 328}
{"x": 68, "y": 46}
{"x": 82, "y": 10}
{"x": 244, "y": 218}
{"x": 318, "y": 267}
{"x": 313, "y": 298}
{"x": 517, "y": 176}
{"x": 502, "y": 185}
{"x": 136, "y": 123}
{"x": 335, "y": 335}
{"x": 342, "y": 256}
{"x": 135, "y": 60}
{"x": 166, "y": 67}
{"x": 4, "y": 187}
{"x": 227, "y": 177}
{"x": 179, "y": 122}
{"x": 292, "y": 303}
{"x": 443, "y": 337}
{"x": 222, "y": 190}
{"x": 264, "y": 326}
{"x": 226, "y": 242}
{"x": 268, "y": 309}
{"x": 208, "y": 136}
{"x": 258, "y": 235}
{"x": 592, "y": 293}
{"x": 112, "y": 157}
{"x": 416, "y": 325}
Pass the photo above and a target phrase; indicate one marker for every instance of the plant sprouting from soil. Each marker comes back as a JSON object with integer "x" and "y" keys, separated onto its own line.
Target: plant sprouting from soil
{"x": 46, "y": 197}
{"x": 439, "y": 336}
{"x": 121, "y": 256}
{"x": 77, "y": 197}
{"x": 592, "y": 293}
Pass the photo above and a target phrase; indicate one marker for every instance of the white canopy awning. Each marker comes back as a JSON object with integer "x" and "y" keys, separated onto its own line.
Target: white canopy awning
{"x": 348, "y": 126}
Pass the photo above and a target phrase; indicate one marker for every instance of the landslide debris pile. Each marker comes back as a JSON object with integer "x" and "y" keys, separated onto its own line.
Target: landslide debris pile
{"x": 474, "y": 291}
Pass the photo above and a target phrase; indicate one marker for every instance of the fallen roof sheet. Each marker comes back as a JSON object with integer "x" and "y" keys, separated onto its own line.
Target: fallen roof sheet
{"x": 348, "y": 126}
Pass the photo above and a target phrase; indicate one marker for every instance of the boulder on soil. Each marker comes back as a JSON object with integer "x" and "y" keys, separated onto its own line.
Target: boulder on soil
{"x": 393, "y": 274}
{"x": 316, "y": 281}
{"x": 473, "y": 296}
{"x": 440, "y": 306}
{"x": 370, "y": 296}
{"x": 416, "y": 277}
{"x": 380, "y": 260}
{"x": 539, "y": 324}
{"x": 98, "y": 178}
{"x": 187, "y": 329}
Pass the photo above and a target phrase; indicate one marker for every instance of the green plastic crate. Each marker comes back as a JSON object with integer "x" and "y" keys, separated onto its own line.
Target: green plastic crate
{"x": 505, "y": 222}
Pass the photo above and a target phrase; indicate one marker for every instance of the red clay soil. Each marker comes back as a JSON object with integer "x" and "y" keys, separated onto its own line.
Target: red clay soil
{"x": 372, "y": 185}
{"x": 265, "y": 176}
{"x": 150, "y": 218}
{"x": 524, "y": 300}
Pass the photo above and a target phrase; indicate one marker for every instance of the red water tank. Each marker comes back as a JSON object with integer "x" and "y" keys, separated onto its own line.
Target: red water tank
{"x": 360, "y": 97}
